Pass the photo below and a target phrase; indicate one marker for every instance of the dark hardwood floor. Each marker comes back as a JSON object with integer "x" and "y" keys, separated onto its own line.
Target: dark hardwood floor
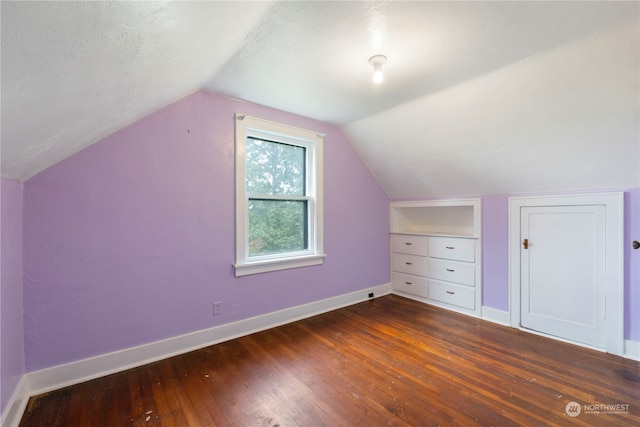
{"x": 385, "y": 362}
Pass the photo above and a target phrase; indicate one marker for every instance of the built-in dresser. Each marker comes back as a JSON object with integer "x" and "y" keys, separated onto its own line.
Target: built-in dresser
{"x": 436, "y": 253}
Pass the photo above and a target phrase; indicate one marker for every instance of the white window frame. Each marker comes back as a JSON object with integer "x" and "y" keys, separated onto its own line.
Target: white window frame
{"x": 247, "y": 126}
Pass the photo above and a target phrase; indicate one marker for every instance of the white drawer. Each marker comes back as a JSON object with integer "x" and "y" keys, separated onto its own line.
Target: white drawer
{"x": 452, "y": 271}
{"x": 410, "y": 264}
{"x": 461, "y": 296}
{"x": 452, "y": 248}
{"x": 410, "y": 284}
{"x": 409, "y": 244}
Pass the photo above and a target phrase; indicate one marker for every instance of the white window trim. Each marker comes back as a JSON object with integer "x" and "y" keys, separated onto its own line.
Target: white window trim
{"x": 259, "y": 128}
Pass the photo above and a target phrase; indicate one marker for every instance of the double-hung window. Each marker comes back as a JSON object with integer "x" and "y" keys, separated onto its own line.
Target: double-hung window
{"x": 278, "y": 196}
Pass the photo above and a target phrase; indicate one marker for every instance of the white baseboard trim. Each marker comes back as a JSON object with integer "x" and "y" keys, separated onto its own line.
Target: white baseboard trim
{"x": 632, "y": 350}
{"x": 16, "y": 405}
{"x": 56, "y": 377}
{"x": 496, "y": 316}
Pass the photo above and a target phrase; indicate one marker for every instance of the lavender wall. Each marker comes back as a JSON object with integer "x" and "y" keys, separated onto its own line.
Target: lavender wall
{"x": 12, "y": 363}
{"x": 495, "y": 252}
{"x": 632, "y": 266}
{"x": 495, "y": 262}
{"x": 132, "y": 239}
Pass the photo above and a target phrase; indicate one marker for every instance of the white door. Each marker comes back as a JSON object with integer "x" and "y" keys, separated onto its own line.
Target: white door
{"x": 563, "y": 271}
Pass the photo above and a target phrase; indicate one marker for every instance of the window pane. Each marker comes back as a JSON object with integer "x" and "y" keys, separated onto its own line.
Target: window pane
{"x": 274, "y": 168}
{"x": 277, "y": 226}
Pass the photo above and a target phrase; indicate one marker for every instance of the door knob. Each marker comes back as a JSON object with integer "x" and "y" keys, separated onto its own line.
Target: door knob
{"x": 636, "y": 244}
{"x": 525, "y": 243}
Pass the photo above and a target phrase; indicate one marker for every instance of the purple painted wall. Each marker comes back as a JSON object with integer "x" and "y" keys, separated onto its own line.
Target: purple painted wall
{"x": 132, "y": 239}
{"x": 12, "y": 359}
{"x": 495, "y": 252}
{"x": 495, "y": 262}
{"x": 632, "y": 266}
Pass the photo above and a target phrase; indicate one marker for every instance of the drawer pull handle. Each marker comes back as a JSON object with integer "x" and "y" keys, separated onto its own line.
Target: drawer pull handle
{"x": 451, "y": 292}
{"x": 450, "y": 270}
{"x": 408, "y": 283}
{"x": 408, "y": 243}
{"x": 409, "y": 263}
{"x": 450, "y": 247}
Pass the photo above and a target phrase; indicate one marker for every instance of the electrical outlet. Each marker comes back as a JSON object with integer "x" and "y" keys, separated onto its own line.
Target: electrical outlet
{"x": 370, "y": 294}
{"x": 217, "y": 308}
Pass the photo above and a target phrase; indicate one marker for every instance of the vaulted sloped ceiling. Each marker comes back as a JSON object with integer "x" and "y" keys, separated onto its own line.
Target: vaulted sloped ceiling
{"x": 478, "y": 98}
{"x": 562, "y": 120}
{"x": 75, "y": 71}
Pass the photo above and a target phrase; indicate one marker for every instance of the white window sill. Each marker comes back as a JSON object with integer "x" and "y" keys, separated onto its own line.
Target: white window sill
{"x": 255, "y": 267}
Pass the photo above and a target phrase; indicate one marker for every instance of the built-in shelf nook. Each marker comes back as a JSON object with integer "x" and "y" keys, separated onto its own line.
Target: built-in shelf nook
{"x": 436, "y": 253}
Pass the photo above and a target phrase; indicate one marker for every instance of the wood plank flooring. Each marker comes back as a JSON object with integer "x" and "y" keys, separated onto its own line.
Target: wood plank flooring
{"x": 385, "y": 362}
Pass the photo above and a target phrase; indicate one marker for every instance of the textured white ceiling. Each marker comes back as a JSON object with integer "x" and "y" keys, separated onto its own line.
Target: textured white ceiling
{"x": 475, "y": 93}
{"x": 312, "y": 57}
{"x": 565, "y": 119}
{"x": 76, "y": 71}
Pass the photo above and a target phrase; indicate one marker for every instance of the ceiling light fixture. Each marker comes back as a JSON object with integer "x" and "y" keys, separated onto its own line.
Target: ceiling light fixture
{"x": 377, "y": 61}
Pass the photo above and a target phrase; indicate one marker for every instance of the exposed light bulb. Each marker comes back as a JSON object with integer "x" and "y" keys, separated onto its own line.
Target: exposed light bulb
{"x": 378, "y": 77}
{"x": 377, "y": 61}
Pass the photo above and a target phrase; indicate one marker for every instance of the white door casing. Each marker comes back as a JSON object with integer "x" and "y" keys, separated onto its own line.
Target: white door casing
{"x": 581, "y": 327}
